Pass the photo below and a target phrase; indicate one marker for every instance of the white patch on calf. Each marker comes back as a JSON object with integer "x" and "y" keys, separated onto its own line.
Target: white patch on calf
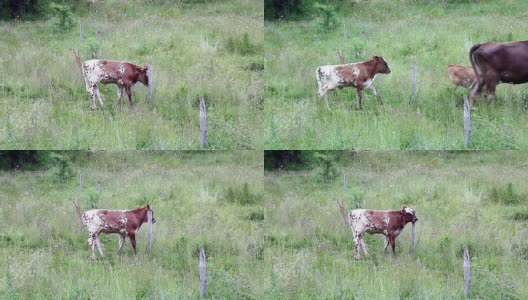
{"x": 367, "y": 83}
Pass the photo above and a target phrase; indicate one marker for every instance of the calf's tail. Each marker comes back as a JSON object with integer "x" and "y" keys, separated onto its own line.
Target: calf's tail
{"x": 342, "y": 210}
{"x": 78, "y": 209}
{"x": 78, "y": 59}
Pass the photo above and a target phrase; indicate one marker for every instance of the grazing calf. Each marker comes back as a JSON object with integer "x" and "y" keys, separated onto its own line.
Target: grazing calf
{"x": 461, "y": 76}
{"x": 121, "y": 73}
{"x": 390, "y": 223}
{"x": 124, "y": 222}
{"x": 359, "y": 75}
{"x": 498, "y": 62}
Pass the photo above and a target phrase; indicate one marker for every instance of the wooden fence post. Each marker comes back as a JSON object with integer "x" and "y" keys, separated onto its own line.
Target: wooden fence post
{"x": 413, "y": 66}
{"x": 203, "y": 268}
{"x": 150, "y": 81}
{"x": 81, "y": 31}
{"x": 203, "y": 123}
{"x": 467, "y": 122}
{"x": 81, "y": 182}
{"x": 345, "y": 34}
{"x": 467, "y": 272}
{"x": 414, "y": 237}
{"x": 149, "y": 218}
{"x": 344, "y": 182}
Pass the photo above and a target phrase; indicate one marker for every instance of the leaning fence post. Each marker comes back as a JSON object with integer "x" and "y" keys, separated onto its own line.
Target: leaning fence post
{"x": 345, "y": 33}
{"x": 203, "y": 123}
{"x": 467, "y": 272}
{"x": 150, "y": 81}
{"x": 149, "y": 218}
{"x": 414, "y": 237}
{"x": 467, "y": 122}
{"x": 203, "y": 279}
{"x": 413, "y": 66}
{"x": 81, "y": 31}
{"x": 81, "y": 182}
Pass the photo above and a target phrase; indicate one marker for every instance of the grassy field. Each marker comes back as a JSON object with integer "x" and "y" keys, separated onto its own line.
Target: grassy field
{"x": 210, "y": 48}
{"x": 477, "y": 199}
{"x": 432, "y": 34}
{"x": 213, "y": 199}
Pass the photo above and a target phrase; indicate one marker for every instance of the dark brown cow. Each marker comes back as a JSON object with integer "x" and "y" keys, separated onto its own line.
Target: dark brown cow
{"x": 121, "y": 73}
{"x": 498, "y": 62}
{"x": 124, "y": 222}
{"x": 461, "y": 76}
{"x": 359, "y": 75}
{"x": 390, "y": 223}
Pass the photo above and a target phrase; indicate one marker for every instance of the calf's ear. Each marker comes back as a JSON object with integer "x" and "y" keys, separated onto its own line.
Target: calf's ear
{"x": 404, "y": 206}
{"x": 376, "y": 58}
{"x": 148, "y": 206}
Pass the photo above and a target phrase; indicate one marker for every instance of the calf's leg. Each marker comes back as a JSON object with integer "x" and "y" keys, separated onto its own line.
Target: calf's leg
{"x": 392, "y": 240}
{"x": 98, "y": 244}
{"x": 359, "y": 95}
{"x": 121, "y": 242}
{"x": 132, "y": 237}
{"x": 373, "y": 89}
{"x": 363, "y": 245}
{"x": 119, "y": 94}
{"x": 386, "y": 244}
{"x": 99, "y": 97}
{"x": 91, "y": 243}
{"x": 357, "y": 244}
{"x": 128, "y": 91}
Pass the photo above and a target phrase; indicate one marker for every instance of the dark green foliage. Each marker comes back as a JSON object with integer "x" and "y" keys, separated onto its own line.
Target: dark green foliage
{"x": 518, "y": 215}
{"x": 62, "y": 18}
{"x": 243, "y": 46}
{"x": 13, "y": 9}
{"x": 241, "y": 195}
{"x": 19, "y": 159}
{"x": 327, "y": 17}
{"x": 254, "y": 215}
{"x": 327, "y": 169}
{"x": 504, "y": 195}
{"x": 61, "y": 166}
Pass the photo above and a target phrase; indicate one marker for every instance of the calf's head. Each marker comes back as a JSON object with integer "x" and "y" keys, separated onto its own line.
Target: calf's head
{"x": 381, "y": 65}
{"x": 142, "y": 75}
{"x": 146, "y": 216}
{"x": 409, "y": 215}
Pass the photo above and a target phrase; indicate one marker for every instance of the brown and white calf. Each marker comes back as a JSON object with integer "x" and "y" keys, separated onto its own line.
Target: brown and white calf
{"x": 390, "y": 223}
{"x": 461, "y": 76}
{"x": 359, "y": 75}
{"x": 124, "y": 222}
{"x": 121, "y": 73}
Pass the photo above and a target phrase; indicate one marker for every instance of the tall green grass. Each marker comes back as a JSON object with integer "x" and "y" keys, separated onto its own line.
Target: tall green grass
{"x": 431, "y": 33}
{"x": 309, "y": 249}
{"x": 43, "y": 246}
{"x": 44, "y": 103}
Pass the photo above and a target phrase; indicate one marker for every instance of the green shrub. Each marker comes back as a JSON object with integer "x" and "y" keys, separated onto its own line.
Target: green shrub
{"x": 243, "y": 46}
{"x": 506, "y": 195}
{"x": 62, "y": 168}
{"x": 92, "y": 48}
{"x": 327, "y": 18}
{"x": 518, "y": 215}
{"x": 327, "y": 169}
{"x": 241, "y": 195}
{"x": 62, "y": 19}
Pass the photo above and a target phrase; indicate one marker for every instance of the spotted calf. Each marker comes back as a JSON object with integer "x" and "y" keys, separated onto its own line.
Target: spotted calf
{"x": 124, "y": 222}
{"x": 390, "y": 223}
{"x": 120, "y": 73}
{"x": 359, "y": 75}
